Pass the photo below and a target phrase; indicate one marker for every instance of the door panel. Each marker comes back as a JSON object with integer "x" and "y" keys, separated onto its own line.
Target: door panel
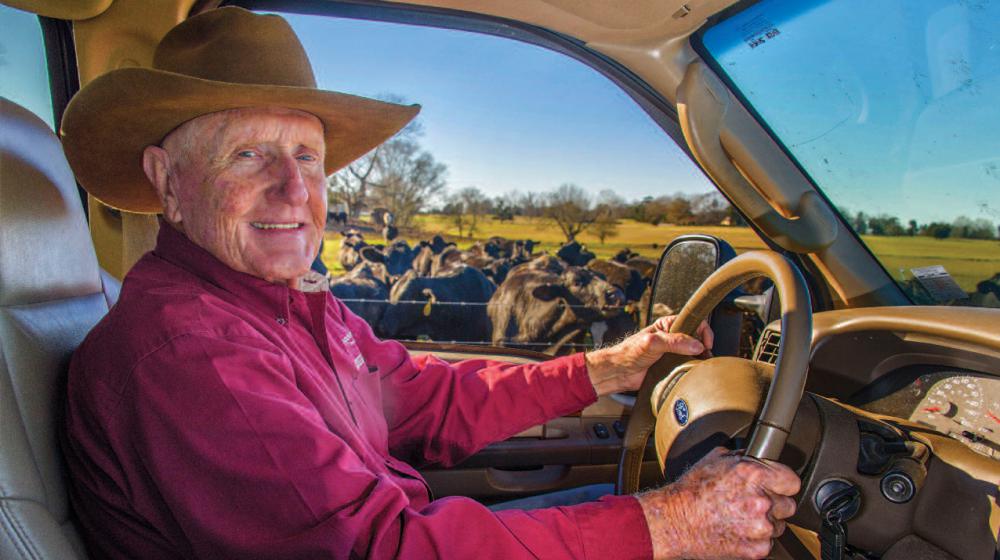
{"x": 564, "y": 453}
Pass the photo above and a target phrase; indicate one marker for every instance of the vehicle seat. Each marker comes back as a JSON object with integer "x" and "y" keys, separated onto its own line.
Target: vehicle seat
{"x": 50, "y": 297}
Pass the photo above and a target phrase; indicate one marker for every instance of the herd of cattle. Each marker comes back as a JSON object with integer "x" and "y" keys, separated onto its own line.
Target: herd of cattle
{"x": 497, "y": 292}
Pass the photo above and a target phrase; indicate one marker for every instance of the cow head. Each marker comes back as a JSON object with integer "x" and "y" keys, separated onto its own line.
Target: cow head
{"x": 575, "y": 254}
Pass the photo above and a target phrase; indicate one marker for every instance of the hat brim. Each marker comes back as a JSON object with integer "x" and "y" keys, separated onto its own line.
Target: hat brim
{"x": 109, "y": 123}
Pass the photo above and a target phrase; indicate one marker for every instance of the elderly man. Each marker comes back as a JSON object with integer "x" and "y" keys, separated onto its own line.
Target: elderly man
{"x": 220, "y": 411}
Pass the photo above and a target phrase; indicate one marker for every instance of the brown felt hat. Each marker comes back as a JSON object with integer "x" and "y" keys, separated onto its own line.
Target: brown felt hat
{"x": 226, "y": 58}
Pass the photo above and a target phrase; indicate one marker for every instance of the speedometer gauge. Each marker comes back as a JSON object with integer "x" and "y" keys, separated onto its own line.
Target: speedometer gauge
{"x": 960, "y": 407}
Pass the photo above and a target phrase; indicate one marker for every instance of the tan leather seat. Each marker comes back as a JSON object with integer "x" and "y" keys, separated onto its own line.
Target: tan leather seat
{"x": 50, "y": 297}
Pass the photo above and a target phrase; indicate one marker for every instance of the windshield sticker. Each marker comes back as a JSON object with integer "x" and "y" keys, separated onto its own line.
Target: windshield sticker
{"x": 758, "y": 31}
{"x": 938, "y": 283}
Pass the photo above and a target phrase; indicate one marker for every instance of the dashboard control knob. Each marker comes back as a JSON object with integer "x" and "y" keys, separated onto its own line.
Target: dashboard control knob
{"x": 898, "y": 487}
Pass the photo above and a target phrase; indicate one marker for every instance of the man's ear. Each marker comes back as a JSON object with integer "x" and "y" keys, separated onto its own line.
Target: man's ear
{"x": 156, "y": 165}
{"x": 549, "y": 291}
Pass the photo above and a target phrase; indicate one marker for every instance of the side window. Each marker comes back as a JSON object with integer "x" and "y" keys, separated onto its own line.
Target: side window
{"x": 24, "y": 77}
{"x": 527, "y": 205}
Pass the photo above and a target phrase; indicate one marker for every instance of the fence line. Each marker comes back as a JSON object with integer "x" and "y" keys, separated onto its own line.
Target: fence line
{"x": 458, "y": 303}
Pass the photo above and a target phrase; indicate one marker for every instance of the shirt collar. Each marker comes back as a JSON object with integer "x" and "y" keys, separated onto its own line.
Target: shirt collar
{"x": 256, "y": 293}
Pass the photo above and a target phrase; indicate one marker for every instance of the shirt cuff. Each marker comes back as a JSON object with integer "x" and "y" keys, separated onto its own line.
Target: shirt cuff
{"x": 574, "y": 382}
{"x": 613, "y": 527}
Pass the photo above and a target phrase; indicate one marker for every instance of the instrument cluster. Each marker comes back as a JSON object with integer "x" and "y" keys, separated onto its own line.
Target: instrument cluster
{"x": 965, "y": 407}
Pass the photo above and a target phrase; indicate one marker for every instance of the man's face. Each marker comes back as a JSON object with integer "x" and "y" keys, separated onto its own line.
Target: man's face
{"x": 248, "y": 185}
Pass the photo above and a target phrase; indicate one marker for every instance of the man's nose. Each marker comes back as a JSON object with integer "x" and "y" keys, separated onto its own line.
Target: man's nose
{"x": 289, "y": 184}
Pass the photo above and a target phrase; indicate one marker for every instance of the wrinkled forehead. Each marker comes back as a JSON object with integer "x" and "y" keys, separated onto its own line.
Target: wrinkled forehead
{"x": 234, "y": 126}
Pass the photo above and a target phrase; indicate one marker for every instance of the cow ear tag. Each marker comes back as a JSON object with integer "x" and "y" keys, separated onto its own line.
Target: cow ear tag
{"x": 427, "y": 309}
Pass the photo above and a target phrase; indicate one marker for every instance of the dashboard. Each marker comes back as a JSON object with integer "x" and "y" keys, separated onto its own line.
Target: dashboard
{"x": 937, "y": 367}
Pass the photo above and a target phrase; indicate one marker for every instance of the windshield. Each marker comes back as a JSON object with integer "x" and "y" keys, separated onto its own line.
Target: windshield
{"x": 893, "y": 110}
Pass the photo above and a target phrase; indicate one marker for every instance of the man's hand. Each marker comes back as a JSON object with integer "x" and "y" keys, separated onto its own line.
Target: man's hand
{"x": 623, "y": 366}
{"x": 724, "y": 507}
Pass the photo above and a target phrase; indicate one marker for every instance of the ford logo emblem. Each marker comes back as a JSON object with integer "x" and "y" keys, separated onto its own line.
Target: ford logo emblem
{"x": 681, "y": 411}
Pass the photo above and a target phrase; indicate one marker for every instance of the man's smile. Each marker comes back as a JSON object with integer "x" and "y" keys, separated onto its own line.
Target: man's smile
{"x": 276, "y": 225}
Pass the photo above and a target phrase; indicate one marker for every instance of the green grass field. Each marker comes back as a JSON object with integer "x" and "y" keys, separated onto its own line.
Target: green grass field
{"x": 969, "y": 261}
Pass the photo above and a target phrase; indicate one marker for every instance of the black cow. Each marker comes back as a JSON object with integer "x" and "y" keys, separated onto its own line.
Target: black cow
{"x": 366, "y": 281}
{"x": 624, "y": 255}
{"x": 397, "y": 257}
{"x": 575, "y": 254}
{"x": 535, "y": 305}
{"x": 431, "y": 316}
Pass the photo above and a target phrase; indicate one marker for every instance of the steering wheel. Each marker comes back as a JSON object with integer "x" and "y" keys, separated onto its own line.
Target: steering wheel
{"x": 786, "y": 385}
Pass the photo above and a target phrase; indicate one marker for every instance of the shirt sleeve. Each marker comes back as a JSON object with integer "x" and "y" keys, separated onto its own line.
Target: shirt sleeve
{"x": 441, "y": 413}
{"x": 247, "y": 468}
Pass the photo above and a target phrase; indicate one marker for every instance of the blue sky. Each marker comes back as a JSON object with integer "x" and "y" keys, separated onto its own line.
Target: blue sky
{"x": 501, "y": 114}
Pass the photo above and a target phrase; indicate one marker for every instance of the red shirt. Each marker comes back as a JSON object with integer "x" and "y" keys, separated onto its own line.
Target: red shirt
{"x": 212, "y": 414}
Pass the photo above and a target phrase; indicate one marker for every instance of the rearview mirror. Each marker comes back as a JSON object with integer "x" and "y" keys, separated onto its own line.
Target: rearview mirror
{"x": 686, "y": 262}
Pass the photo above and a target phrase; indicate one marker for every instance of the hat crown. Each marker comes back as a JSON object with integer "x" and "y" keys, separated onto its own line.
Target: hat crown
{"x": 237, "y": 46}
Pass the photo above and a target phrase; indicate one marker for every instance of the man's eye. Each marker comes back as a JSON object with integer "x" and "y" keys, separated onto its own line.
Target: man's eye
{"x": 307, "y": 157}
{"x": 246, "y": 153}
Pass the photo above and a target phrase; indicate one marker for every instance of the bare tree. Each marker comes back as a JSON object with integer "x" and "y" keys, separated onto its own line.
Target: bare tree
{"x": 606, "y": 223}
{"x": 397, "y": 175}
{"x": 475, "y": 204}
{"x": 530, "y": 203}
{"x": 455, "y": 212}
{"x": 407, "y": 178}
{"x": 570, "y": 207}
{"x": 350, "y": 185}
{"x": 610, "y": 202}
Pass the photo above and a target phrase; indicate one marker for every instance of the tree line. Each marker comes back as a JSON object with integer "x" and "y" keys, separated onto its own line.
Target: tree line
{"x": 575, "y": 211}
{"x": 961, "y": 227}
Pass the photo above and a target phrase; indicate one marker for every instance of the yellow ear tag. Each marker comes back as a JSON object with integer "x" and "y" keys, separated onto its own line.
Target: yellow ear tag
{"x": 427, "y": 309}
{"x": 628, "y": 308}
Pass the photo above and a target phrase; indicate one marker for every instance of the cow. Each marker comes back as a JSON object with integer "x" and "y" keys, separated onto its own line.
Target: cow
{"x": 575, "y": 254}
{"x": 423, "y": 260}
{"x": 501, "y": 247}
{"x": 350, "y": 247}
{"x": 536, "y": 305}
{"x": 446, "y": 260}
{"x": 431, "y": 315}
{"x": 364, "y": 291}
{"x": 629, "y": 280}
{"x": 335, "y": 218}
{"x": 645, "y": 266}
{"x": 624, "y": 255}
{"x": 382, "y": 217}
{"x": 397, "y": 257}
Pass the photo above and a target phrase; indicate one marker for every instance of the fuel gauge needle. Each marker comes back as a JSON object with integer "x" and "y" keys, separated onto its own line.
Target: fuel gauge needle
{"x": 993, "y": 416}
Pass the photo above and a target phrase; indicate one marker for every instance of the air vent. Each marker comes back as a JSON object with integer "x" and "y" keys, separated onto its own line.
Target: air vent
{"x": 767, "y": 350}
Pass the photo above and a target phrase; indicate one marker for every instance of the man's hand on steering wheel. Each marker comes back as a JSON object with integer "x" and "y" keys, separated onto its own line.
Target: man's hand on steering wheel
{"x": 623, "y": 366}
{"x": 725, "y": 506}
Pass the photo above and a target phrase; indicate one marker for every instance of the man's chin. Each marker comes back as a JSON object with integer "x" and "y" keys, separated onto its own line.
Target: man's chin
{"x": 282, "y": 273}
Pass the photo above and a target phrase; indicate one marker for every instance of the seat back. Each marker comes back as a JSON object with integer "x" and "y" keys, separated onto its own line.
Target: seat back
{"x": 50, "y": 297}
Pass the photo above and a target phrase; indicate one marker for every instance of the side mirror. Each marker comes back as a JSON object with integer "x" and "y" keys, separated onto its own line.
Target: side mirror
{"x": 686, "y": 262}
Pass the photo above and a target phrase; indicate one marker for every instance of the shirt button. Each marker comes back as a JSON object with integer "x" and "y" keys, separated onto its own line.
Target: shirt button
{"x": 281, "y": 321}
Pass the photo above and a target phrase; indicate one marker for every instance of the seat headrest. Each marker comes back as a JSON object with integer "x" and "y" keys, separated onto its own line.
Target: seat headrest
{"x": 45, "y": 247}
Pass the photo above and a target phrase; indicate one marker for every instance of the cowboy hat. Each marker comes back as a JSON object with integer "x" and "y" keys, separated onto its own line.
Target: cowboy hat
{"x": 223, "y": 59}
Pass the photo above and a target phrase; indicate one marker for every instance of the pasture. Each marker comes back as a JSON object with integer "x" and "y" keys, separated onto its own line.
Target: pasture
{"x": 969, "y": 261}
